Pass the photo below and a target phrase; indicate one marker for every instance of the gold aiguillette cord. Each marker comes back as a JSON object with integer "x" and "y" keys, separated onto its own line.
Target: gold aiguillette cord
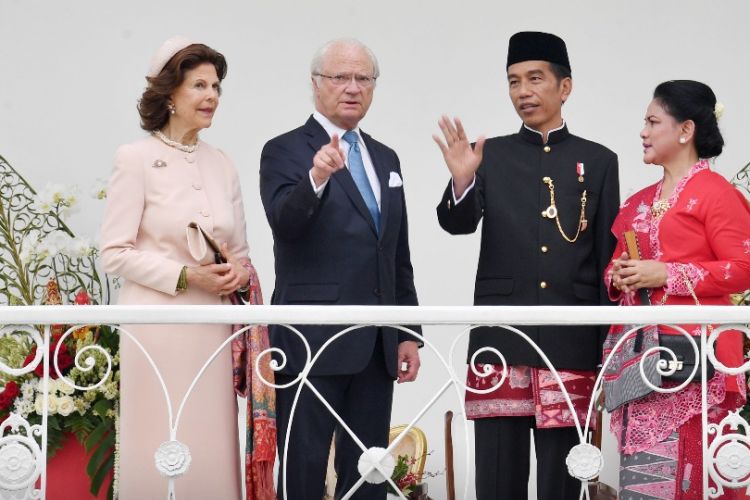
{"x": 551, "y": 212}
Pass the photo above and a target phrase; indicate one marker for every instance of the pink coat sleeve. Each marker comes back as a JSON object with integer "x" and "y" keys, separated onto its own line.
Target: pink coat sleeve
{"x": 122, "y": 220}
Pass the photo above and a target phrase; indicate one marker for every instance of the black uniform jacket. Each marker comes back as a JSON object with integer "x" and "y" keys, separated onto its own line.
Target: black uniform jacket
{"x": 328, "y": 251}
{"x": 524, "y": 259}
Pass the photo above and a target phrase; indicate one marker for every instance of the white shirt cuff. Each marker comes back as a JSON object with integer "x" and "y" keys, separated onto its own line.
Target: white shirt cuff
{"x": 319, "y": 189}
{"x": 466, "y": 191}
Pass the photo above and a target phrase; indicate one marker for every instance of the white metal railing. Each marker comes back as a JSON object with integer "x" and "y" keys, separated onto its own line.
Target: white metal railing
{"x": 727, "y": 468}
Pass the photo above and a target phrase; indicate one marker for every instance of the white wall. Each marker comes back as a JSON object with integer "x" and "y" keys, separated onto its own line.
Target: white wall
{"x": 71, "y": 72}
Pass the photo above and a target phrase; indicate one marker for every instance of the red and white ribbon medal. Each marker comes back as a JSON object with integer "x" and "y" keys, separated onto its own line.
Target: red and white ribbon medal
{"x": 580, "y": 171}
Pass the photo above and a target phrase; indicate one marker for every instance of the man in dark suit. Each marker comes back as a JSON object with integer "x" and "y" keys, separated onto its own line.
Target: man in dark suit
{"x": 548, "y": 200}
{"x": 335, "y": 202}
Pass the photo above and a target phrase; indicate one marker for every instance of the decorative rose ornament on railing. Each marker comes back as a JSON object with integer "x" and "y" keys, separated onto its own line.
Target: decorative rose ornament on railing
{"x": 172, "y": 459}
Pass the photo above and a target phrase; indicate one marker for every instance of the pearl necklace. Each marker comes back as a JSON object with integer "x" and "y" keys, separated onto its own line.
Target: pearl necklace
{"x": 185, "y": 148}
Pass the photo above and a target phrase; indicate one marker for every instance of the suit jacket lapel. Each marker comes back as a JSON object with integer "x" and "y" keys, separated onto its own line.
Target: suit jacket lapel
{"x": 318, "y": 137}
{"x": 383, "y": 176}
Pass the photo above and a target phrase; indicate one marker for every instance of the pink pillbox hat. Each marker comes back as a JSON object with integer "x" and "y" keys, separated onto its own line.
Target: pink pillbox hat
{"x": 164, "y": 53}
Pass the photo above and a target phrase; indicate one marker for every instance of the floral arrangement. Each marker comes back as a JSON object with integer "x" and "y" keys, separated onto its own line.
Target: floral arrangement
{"x": 42, "y": 262}
{"x": 405, "y": 477}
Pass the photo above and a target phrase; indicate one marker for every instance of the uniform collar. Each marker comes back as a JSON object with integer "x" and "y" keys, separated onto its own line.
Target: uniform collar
{"x": 535, "y": 137}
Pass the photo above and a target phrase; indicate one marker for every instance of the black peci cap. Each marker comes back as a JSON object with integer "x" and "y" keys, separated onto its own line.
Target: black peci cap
{"x": 537, "y": 46}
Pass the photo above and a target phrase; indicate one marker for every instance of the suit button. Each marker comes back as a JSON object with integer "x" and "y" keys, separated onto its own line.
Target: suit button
{"x": 197, "y": 187}
{"x": 190, "y": 158}
{"x": 205, "y": 213}
{"x": 545, "y": 249}
{"x": 547, "y": 149}
{"x": 543, "y": 284}
{"x": 376, "y": 292}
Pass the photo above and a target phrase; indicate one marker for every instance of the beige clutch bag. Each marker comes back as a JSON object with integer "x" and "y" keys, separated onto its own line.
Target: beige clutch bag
{"x": 202, "y": 246}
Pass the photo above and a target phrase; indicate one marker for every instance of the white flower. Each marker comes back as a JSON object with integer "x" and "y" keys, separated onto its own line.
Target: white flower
{"x": 110, "y": 390}
{"x": 81, "y": 405}
{"x": 56, "y": 242}
{"x": 56, "y": 197}
{"x": 81, "y": 247}
{"x": 28, "y": 388}
{"x": 23, "y": 406}
{"x": 52, "y": 404}
{"x": 718, "y": 110}
{"x": 64, "y": 387}
{"x": 99, "y": 189}
{"x": 29, "y": 249}
{"x": 65, "y": 406}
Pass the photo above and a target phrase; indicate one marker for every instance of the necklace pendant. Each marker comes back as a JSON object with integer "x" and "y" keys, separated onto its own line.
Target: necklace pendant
{"x": 584, "y": 225}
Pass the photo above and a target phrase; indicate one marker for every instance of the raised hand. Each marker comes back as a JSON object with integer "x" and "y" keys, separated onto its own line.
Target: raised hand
{"x": 327, "y": 161}
{"x": 461, "y": 159}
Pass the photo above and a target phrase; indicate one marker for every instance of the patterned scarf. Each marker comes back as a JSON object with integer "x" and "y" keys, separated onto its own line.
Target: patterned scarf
{"x": 260, "y": 451}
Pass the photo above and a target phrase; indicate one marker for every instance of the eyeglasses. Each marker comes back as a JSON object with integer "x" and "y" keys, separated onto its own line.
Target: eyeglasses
{"x": 343, "y": 79}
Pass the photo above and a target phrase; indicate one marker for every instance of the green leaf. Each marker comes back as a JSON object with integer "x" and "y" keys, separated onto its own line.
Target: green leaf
{"x": 102, "y": 407}
{"x": 96, "y": 435}
{"x": 101, "y": 474}
{"x": 55, "y": 441}
{"x": 53, "y": 423}
{"x": 101, "y": 451}
{"x": 80, "y": 425}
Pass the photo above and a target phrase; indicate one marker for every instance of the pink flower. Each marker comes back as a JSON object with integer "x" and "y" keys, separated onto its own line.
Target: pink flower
{"x": 82, "y": 298}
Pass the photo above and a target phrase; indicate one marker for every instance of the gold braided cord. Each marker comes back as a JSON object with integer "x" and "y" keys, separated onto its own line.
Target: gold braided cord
{"x": 555, "y": 215}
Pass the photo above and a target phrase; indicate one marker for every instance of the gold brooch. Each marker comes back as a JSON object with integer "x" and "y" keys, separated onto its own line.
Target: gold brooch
{"x": 659, "y": 208}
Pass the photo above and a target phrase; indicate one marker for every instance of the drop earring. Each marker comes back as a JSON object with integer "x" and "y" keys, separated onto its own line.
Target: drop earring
{"x": 171, "y": 108}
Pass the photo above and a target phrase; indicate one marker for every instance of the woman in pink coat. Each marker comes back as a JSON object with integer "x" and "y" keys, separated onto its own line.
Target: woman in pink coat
{"x": 160, "y": 184}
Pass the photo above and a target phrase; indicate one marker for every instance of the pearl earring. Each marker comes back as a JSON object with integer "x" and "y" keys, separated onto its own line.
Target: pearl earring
{"x": 682, "y": 139}
{"x": 171, "y": 109}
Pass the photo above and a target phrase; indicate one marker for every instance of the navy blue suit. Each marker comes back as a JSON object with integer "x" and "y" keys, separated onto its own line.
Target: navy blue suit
{"x": 328, "y": 251}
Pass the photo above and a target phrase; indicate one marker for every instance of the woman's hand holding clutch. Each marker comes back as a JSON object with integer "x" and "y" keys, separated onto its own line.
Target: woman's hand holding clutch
{"x": 219, "y": 279}
{"x": 629, "y": 275}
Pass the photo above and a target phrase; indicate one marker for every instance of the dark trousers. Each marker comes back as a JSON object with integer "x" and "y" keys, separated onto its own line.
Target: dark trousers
{"x": 502, "y": 460}
{"x": 363, "y": 400}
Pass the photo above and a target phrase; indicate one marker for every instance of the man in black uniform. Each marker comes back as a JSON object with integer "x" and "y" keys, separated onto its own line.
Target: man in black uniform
{"x": 548, "y": 199}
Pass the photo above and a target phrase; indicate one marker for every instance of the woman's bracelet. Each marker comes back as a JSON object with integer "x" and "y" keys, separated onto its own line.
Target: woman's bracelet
{"x": 182, "y": 283}
{"x": 248, "y": 266}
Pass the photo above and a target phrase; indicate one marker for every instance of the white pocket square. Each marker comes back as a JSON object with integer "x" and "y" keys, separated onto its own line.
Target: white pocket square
{"x": 395, "y": 180}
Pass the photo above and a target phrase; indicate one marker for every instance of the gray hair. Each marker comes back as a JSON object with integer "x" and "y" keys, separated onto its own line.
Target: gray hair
{"x": 316, "y": 66}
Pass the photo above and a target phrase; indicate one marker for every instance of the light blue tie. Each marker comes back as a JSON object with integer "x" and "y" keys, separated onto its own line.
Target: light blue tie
{"x": 357, "y": 169}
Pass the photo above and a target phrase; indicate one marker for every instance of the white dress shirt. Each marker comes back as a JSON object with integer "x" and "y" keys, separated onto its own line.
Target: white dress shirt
{"x": 331, "y": 129}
